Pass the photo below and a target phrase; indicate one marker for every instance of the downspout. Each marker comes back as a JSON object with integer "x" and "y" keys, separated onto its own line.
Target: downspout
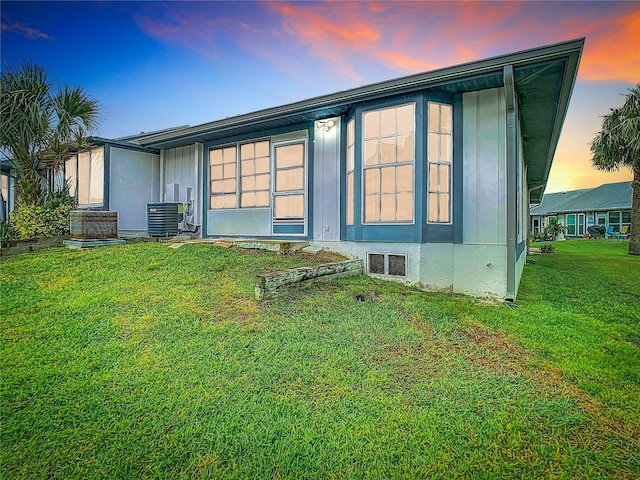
{"x": 161, "y": 180}
{"x": 512, "y": 181}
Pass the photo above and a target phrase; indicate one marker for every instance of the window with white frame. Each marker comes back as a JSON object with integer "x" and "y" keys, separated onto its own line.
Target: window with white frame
{"x": 351, "y": 140}
{"x": 388, "y": 164}
{"x": 254, "y": 174}
{"x": 222, "y": 168}
{"x": 439, "y": 159}
{"x": 85, "y": 174}
{"x": 618, "y": 220}
{"x": 240, "y": 175}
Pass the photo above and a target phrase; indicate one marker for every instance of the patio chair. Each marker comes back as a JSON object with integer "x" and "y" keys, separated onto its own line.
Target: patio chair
{"x": 609, "y": 233}
{"x": 624, "y": 232}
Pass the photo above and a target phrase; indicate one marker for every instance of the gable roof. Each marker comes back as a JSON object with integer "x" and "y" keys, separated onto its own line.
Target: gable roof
{"x": 610, "y": 196}
{"x": 544, "y": 79}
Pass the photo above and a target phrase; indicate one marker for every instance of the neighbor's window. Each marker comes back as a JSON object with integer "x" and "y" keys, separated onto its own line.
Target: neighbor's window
{"x": 618, "y": 220}
{"x": 571, "y": 224}
{"x": 351, "y": 134}
{"x": 439, "y": 157}
{"x": 222, "y": 165}
{"x": 254, "y": 174}
{"x": 85, "y": 174}
{"x": 388, "y": 158}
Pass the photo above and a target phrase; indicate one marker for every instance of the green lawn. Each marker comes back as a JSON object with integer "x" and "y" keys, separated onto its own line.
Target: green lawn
{"x": 143, "y": 361}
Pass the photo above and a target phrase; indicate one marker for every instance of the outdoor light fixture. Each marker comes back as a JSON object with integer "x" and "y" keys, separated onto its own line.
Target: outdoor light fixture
{"x": 326, "y": 124}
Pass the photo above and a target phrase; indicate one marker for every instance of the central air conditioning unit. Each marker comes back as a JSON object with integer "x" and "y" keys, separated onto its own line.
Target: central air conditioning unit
{"x": 163, "y": 218}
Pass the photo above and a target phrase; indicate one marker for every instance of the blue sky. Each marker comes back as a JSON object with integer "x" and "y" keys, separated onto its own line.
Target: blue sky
{"x": 159, "y": 64}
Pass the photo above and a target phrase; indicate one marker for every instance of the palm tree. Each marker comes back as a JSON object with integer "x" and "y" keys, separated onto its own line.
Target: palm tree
{"x": 39, "y": 124}
{"x": 618, "y": 145}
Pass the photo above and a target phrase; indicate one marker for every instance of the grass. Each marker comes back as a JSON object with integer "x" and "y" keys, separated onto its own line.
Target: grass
{"x": 143, "y": 361}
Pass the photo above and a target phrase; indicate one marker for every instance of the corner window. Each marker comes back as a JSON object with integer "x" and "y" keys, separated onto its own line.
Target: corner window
{"x": 351, "y": 136}
{"x": 387, "y": 164}
{"x": 85, "y": 174}
{"x": 439, "y": 158}
{"x": 240, "y": 176}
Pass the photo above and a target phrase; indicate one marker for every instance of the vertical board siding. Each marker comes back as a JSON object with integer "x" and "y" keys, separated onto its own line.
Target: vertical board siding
{"x": 180, "y": 168}
{"x": 484, "y": 151}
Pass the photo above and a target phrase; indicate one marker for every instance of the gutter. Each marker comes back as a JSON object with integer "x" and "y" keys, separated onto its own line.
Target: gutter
{"x": 512, "y": 180}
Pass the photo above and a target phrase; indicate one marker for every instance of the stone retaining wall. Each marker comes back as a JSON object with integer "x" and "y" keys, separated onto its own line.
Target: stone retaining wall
{"x": 270, "y": 285}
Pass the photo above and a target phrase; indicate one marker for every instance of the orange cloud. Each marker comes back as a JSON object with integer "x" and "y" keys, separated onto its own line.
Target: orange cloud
{"x": 612, "y": 52}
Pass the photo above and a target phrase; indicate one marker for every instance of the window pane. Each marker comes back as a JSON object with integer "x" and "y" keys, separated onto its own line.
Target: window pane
{"x": 216, "y": 172}
{"x": 248, "y": 167}
{"x": 446, "y": 121}
{"x": 84, "y": 171}
{"x": 372, "y": 208}
{"x": 289, "y": 206}
{"x": 371, "y": 124}
{"x": 445, "y": 148}
{"x": 350, "y": 198}
{"x": 404, "y": 178}
{"x": 371, "y": 152}
{"x": 405, "y": 117}
{"x": 96, "y": 187}
{"x": 444, "y": 178}
{"x": 388, "y": 150}
{"x": 248, "y": 183}
{"x": 229, "y": 154}
{"x": 406, "y": 148}
{"x": 217, "y": 202}
{"x": 248, "y": 199}
{"x": 262, "y": 165}
{"x": 433, "y": 178}
{"x": 376, "y": 263}
{"x": 350, "y": 159}
{"x": 626, "y": 217}
{"x": 292, "y": 179}
{"x": 387, "y": 122}
{"x": 262, "y": 199}
{"x": 371, "y": 181}
{"x": 404, "y": 206}
{"x": 262, "y": 182}
{"x": 215, "y": 156}
{"x": 247, "y": 151}
{"x": 397, "y": 265}
{"x": 388, "y": 208}
{"x": 433, "y": 207}
{"x": 434, "y": 117}
{"x": 444, "y": 207}
{"x": 262, "y": 149}
{"x": 229, "y": 170}
{"x": 614, "y": 217}
{"x": 388, "y": 179}
{"x": 433, "y": 141}
{"x": 289, "y": 156}
{"x": 351, "y": 132}
{"x": 229, "y": 201}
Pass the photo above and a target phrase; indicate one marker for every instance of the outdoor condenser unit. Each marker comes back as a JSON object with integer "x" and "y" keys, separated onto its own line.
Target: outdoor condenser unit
{"x": 163, "y": 218}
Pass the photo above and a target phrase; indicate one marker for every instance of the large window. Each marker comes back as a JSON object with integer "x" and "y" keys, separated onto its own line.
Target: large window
{"x": 439, "y": 157}
{"x": 388, "y": 159}
{"x": 85, "y": 174}
{"x": 254, "y": 174}
{"x": 618, "y": 220}
{"x": 351, "y": 140}
{"x": 253, "y": 160}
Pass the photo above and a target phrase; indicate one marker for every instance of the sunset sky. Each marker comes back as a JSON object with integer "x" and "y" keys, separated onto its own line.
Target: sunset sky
{"x": 159, "y": 64}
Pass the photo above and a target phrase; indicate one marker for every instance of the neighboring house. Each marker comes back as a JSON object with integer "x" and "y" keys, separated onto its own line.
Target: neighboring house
{"x": 428, "y": 178}
{"x": 7, "y": 187}
{"x": 608, "y": 205}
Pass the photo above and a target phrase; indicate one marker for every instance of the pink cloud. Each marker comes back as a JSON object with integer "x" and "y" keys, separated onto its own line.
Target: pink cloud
{"x": 24, "y": 30}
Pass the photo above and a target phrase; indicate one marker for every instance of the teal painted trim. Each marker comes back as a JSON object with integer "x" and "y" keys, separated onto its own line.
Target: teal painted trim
{"x": 357, "y": 175}
{"x": 288, "y": 229}
{"x": 520, "y": 247}
{"x": 458, "y": 170}
{"x": 309, "y": 145}
{"x": 342, "y": 161}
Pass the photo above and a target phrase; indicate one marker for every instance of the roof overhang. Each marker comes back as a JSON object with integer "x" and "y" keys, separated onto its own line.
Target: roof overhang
{"x": 544, "y": 79}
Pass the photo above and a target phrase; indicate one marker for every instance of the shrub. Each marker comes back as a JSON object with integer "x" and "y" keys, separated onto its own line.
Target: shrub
{"x": 33, "y": 221}
{"x": 6, "y": 233}
{"x": 547, "y": 248}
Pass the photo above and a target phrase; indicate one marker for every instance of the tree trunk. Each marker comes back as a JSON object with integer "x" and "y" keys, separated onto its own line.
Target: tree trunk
{"x": 28, "y": 189}
{"x": 634, "y": 236}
